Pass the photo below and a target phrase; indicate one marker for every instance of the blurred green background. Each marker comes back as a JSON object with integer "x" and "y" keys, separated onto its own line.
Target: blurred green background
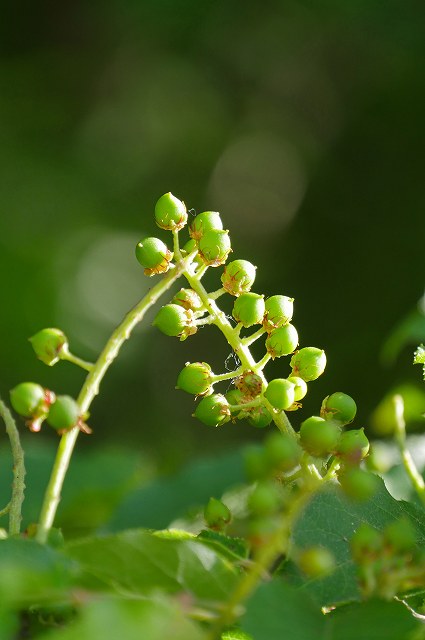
{"x": 301, "y": 122}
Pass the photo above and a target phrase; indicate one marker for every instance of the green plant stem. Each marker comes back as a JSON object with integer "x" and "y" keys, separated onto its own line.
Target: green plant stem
{"x": 408, "y": 462}
{"x": 253, "y": 337}
{"x": 67, "y": 355}
{"x": 227, "y": 376}
{"x": 91, "y": 388}
{"x": 18, "y": 483}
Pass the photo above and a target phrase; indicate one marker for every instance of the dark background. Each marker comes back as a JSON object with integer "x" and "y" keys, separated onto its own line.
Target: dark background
{"x": 301, "y": 122}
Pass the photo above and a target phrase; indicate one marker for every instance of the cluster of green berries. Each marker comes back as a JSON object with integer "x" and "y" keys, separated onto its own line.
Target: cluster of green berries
{"x": 388, "y": 562}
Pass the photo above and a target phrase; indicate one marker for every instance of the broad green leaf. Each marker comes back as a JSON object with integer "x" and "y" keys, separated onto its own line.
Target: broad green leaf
{"x": 139, "y": 562}
{"x": 159, "y": 503}
{"x": 372, "y": 620}
{"x": 235, "y": 549}
{"x": 277, "y": 611}
{"x": 330, "y": 520}
{"x": 112, "y": 619}
{"x": 32, "y": 574}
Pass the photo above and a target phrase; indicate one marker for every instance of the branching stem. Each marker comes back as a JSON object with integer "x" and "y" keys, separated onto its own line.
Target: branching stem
{"x": 18, "y": 484}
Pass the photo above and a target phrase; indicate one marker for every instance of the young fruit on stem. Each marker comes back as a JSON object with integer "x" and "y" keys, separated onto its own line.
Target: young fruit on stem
{"x": 174, "y": 320}
{"x": 319, "y": 437}
{"x": 282, "y": 341}
{"x": 217, "y": 515}
{"x": 214, "y": 247}
{"x": 32, "y": 401}
{"x": 249, "y": 309}
{"x": 238, "y": 277}
{"x": 260, "y": 417}
{"x": 280, "y": 393}
{"x": 64, "y": 414}
{"x": 282, "y": 452}
{"x": 213, "y": 410}
{"x": 203, "y": 222}
{"x": 300, "y": 390}
{"x": 188, "y": 299}
{"x": 339, "y": 407}
{"x": 357, "y": 484}
{"x": 308, "y": 363}
{"x": 195, "y": 378}
{"x": 353, "y": 446}
{"x": 278, "y": 312}
{"x": 154, "y": 256}
{"x": 170, "y": 213}
{"x": 48, "y": 344}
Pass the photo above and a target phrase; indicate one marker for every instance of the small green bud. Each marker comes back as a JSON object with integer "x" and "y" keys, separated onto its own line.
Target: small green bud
{"x": 64, "y": 413}
{"x": 353, "y": 446}
{"x": 214, "y": 247}
{"x": 401, "y": 535}
{"x": 358, "y": 484}
{"x": 282, "y": 341}
{"x": 260, "y": 417}
{"x": 265, "y": 499}
{"x": 203, "y": 222}
{"x": 249, "y": 309}
{"x": 282, "y": 452}
{"x": 339, "y": 407}
{"x": 300, "y": 387}
{"x": 249, "y": 383}
{"x": 196, "y": 378}
{"x": 308, "y": 363}
{"x": 213, "y": 410}
{"x": 365, "y": 542}
{"x": 188, "y": 299}
{"x": 316, "y": 562}
{"x": 238, "y": 277}
{"x": 217, "y": 515}
{"x": 279, "y": 311}
{"x": 280, "y": 393}
{"x": 48, "y": 344}
{"x": 255, "y": 463}
{"x": 29, "y": 399}
{"x": 174, "y": 320}
{"x": 170, "y": 213}
{"x": 319, "y": 437}
{"x": 154, "y": 256}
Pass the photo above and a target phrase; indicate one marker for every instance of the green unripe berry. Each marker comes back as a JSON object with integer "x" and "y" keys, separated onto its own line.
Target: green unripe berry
{"x": 217, "y": 515}
{"x": 365, "y": 542}
{"x": 196, "y": 378}
{"x": 213, "y": 410}
{"x": 265, "y": 499}
{"x": 238, "y": 277}
{"x": 280, "y": 393}
{"x": 249, "y": 309}
{"x": 234, "y": 397}
{"x": 308, "y": 363}
{"x": 153, "y": 255}
{"x": 260, "y": 417}
{"x": 48, "y": 344}
{"x": 353, "y": 446}
{"x": 203, "y": 222}
{"x": 316, "y": 562}
{"x": 319, "y": 437}
{"x": 28, "y": 399}
{"x": 188, "y": 299}
{"x": 358, "y": 484}
{"x": 279, "y": 311}
{"x": 249, "y": 383}
{"x": 255, "y": 463}
{"x": 174, "y": 320}
{"x": 63, "y": 414}
{"x": 339, "y": 407}
{"x": 401, "y": 535}
{"x": 170, "y": 213}
{"x": 282, "y": 452}
{"x": 214, "y": 247}
{"x": 300, "y": 387}
{"x": 282, "y": 341}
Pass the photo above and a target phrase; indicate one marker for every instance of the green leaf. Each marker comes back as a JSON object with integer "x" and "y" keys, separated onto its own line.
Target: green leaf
{"x": 374, "y": 620}
{"x": 330, "y": 520}
{"x": 139, "y": 562}
{"x": 235, "y": 549}
{"x": 111, "y": 619}
{"x": 159, "y": 503}
{"x": 409, "y": 331}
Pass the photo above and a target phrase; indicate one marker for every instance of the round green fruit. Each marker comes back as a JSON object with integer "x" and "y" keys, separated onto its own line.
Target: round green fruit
{"x": 260, "y": 417}
{"x": 249, "y": 309}
{"x": 339, "y": 407}
{"x": 278, "y": 312}
{"x": 280, "y": 393}
{"x": 170, "y": 213}
{"x": 319, "y": 437}
{"x": 195, "y": 378}
{"x": 358, "y": 484}
{"x": 300, "y": 387}
{"x": 174, "y": 320}
{"x": 401, "y": 535}
{"x": 63, "y": 414}
{"x": 188, "y": 299}
{"x": 282, "y": 452}
{"x": 217, "y": 515}
{"x": 234, "y": 397}
{"x": 353, "y": 446}
{"x": 153, "y": 255}
{"x": 28, "y": 399}
{"x": 213, "y": 410}
{"x": 265, "y": 499}
{"x": 48, "y": 344}
{"x": 214, "y": 247}
{"x": 282, "y": 341}
{"x": 316, "y": 562}
{"x": 255, "y": 463}
{"x": 238, "y": 277}
{"x": 308, "y": 363}
{"x": 203, "y": 222}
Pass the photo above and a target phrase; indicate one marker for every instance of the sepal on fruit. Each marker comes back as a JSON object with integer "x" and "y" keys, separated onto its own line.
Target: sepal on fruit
{"x": 204, "y": 222}
{"x": 48, "y": 344}
{"x": 278, "y": 312}
{"x": 238, "y": 277}
{"x": 195, "y": 378}
{"x": 174, "y": 320}
{"x": 154, "y": 256}
{"x": 214, "y": 247}
{"x": 170, "y": 213}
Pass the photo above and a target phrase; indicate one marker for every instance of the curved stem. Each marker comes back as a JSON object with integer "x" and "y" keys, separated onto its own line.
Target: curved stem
{"x": 408, "y": 462}
{"x": 83, "y": 364}
{"x": 91, "y": 388}
{"x": 18, "y": 484}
